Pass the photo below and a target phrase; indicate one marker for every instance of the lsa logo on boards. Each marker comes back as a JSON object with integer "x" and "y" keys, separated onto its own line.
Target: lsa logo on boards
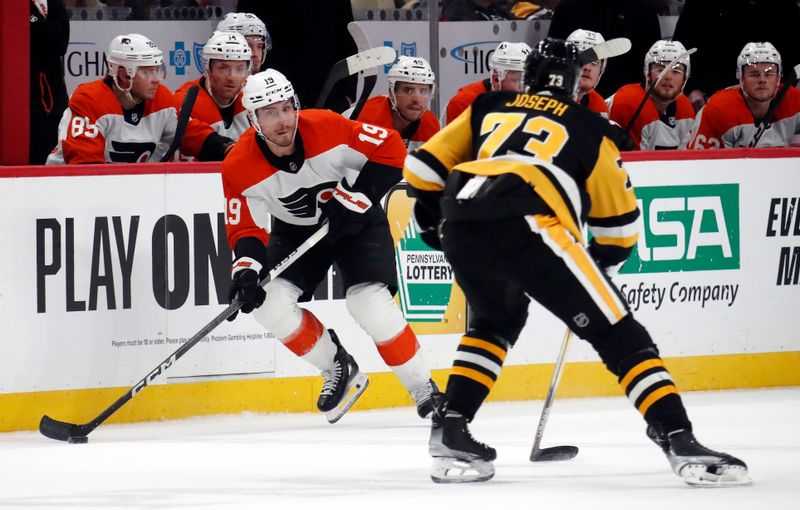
{"x": 686, "y": 228}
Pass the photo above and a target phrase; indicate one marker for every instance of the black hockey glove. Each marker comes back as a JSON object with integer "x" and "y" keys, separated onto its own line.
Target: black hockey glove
{"x": 428, "y": 225}
{"x": 244, "y": 285}
{"x": 347, "y": 211}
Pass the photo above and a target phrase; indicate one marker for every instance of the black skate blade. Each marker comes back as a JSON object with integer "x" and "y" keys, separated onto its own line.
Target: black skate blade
{"x": 61, "y": 431}
{"x": 554, "y": 453}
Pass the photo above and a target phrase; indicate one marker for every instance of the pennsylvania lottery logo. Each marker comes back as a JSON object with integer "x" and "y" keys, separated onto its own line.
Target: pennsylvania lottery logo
{"x": 686, "y": 228}
{"x": 425, "y": 278}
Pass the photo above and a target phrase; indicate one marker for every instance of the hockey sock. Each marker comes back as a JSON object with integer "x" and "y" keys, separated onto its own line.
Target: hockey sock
{"x": 402, "y": 354}
{"x": 651, "y": 389}
{"x": 475, "y": 369}
{"x": 312, "y": 342}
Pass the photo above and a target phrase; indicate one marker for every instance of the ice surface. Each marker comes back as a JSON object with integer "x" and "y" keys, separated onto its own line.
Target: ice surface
{"x": 377, "y": 460}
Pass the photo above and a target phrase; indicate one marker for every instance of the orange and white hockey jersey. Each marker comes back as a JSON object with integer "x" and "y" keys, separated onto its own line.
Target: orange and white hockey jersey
{"x": 231, "y": 121}
{"x": 258, "y": 184}
{"x": 726, "y": 121}
{"x": 651, "y": 130}
{"x": 378, "y": 112}
{"x": 464, "y": 98}
{"x": 595, "y": 102}
{"x": 95, "y": 129}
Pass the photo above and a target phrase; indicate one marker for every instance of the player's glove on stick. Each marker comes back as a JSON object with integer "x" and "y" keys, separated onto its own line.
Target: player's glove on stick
{"x": 346, "y": 211}
{"x": 244, "y": 285}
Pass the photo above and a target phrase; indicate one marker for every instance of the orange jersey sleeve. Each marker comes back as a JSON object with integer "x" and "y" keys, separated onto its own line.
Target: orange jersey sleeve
{"x": 464, "y": 98}
{"x": 595, "y": 102}
{"x": 83, "y": 138}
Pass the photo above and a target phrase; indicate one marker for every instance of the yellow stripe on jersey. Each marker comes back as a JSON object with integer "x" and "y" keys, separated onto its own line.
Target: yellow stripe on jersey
{"x": 421, "y": 176}
{"x": 486, "y": 346}
{"x": 531, "y": 174}
{"x": 474, "y": 375}
{"x": 450, "y": 146}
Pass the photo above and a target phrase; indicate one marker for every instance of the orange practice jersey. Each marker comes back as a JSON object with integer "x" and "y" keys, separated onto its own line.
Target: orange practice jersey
{"x": 329, "y": 148}
{"x": 727, "y": 122}
{"x": 651, "y": 130}
{"x": 206, "y": 110}
{"x": 595, "y": 102}
{"x": 464, "y": 97}
{"x": 378, "y": 112}
{"x": 95, "y": 129}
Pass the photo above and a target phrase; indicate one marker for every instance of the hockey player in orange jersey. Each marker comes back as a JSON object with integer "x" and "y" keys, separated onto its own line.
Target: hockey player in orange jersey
{"x": 732, "y": 116}
{"x": 405, "y": 109}
{"x": 254, "y": 31}
{"x": 226, "y": 65}
{"x": 667, "y": 115}
{"x": 301, "y": 168}
{"x": 506, "y": 62}
{"x": 129, "y": 116}
{"x": 591, "y": 72}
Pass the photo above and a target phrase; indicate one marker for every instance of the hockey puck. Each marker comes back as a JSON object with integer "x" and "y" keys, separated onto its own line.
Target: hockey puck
{"x": 78, "y": 439}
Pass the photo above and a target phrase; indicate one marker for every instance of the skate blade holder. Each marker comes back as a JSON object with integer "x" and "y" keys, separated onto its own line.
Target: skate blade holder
{"x": 452, "y": 470}
{"x": 355, "y": 387}
{"x": 698, "y": 475}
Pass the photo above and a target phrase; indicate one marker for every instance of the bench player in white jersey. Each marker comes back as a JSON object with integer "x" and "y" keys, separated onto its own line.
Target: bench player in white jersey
{"x": 129, "y": 116}
{"x": 667, "y": 115}
{"x": 733, "y": 115}
{"x": 301, "y": 168}
{"x": 254, "y": 31}
{"x": 226, "y": 65}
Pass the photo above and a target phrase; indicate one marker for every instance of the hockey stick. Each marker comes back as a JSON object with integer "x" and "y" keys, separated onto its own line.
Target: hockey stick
{"x": 183, "y": 121}
{"x": 370, "y": 75}
{"x": 373, "y": 57}
{"x": 652, "y": 87}
{"x": 76, "y": 433}
{"x": 553, "y": 452}
{"x": 789, "y": 81}
{"x": 604, "y": 50}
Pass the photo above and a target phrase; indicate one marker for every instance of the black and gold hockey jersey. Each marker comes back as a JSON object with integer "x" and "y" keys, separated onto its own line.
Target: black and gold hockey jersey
{"x": 560, "y": 148}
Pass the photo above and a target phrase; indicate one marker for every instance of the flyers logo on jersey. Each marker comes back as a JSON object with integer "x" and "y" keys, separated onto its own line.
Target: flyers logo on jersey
{"x": 303, "y": 203}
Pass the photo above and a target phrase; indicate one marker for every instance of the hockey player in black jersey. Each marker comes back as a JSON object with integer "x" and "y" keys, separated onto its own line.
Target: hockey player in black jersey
{"x": 507, "y": 190}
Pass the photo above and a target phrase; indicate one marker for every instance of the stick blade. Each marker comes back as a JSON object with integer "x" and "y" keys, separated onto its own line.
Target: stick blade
{"x": 369, "y": 59}
{"x": 554, "y": 453}
{"x": 60, "y": 430}
{"x": 608, "y": 49}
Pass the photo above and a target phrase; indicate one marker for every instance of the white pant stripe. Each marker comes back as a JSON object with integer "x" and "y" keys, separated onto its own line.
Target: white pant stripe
{"x": 646, "y": 383}
{"x": 479, "y": 360}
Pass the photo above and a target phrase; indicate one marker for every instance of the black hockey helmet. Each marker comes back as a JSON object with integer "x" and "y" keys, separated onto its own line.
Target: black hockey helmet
{"x": 553, "y": 65}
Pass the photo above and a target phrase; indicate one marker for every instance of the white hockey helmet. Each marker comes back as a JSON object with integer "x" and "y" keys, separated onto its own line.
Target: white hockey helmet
{"x": 266, "y": 88}
{"x": 664, "y": 52}
{"x": 132, "y": 51}
{"x": 585, "y": 39}
{"x": 412, "y": 70}
{"x": 755, "y": 52}
{"x": 508, "y": 56}
{"x": 246, "y": 24}
{"x": 226, "y": 46}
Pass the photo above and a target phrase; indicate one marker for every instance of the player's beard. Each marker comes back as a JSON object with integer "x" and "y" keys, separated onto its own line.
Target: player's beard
{"x": 666, "y": 95}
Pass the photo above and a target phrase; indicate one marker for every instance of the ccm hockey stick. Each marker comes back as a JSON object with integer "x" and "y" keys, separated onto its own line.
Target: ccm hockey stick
{"x": 604, "y": 50}
{"x": 76, "y": 433}
{"x": 789, "y": 81}
{"x": 183, "y": 120}
{"x": 373, "y": 57}
{"x": 370, "y": 75}
{"x": 554, "y": 452}
{"x": 653, "y": 86}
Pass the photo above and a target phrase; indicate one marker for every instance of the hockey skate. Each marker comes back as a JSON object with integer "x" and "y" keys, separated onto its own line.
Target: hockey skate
{"x": 696, "y": 464}
{"x": 457, "y": 456}
{"x": 342, "y": 385}
{"x": 426, "y": 396}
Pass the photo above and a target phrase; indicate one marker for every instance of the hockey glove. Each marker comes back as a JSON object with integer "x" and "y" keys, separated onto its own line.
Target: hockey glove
{"x": 346, "y": 211}
{"x": 244, "y": 285}
{"x": 428, "y": 225}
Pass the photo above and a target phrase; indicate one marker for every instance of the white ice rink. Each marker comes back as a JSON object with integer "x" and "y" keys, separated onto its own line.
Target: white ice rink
{"x": 377, "y": 460}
